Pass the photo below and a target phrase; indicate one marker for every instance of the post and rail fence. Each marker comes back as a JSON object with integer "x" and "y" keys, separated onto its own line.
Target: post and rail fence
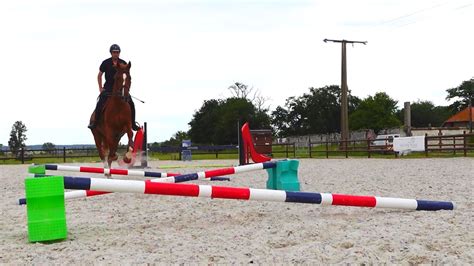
{"x": 433, "y": 144}
{"x": 457, "y": 145}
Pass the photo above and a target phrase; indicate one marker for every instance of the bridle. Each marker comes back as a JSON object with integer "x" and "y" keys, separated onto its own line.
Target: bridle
{"x": 121, "y": 93}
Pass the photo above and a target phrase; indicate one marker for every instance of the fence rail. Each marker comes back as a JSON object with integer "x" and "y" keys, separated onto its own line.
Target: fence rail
{"x": 433, "y": 144}
{"x": 455, "y": 144}
{"x": 26, "y": 155}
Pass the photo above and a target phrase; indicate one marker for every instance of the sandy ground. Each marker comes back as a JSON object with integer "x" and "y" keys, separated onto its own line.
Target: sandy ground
{"x": 137, "y": 228}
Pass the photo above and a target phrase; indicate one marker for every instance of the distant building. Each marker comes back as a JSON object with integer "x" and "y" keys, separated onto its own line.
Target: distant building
{"x": 460, "y": 119}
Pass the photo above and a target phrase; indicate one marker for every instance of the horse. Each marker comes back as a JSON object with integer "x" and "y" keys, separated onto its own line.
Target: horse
{"x": 116, "y": 120}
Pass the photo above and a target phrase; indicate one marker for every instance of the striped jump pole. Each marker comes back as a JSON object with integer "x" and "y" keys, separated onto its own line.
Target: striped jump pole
{"x": 213, "y": 175}
{"x": 207, "y": 191}
{"x": 39, "y": 171}
{"x": 179, "y": 178}
{"x": 224, "y": 171}
{"x": 99, "y": 170}
{"x": 89, "y": 193}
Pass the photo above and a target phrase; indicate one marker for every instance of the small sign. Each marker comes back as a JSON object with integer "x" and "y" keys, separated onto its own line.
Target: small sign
{"x": 186, "y": 143}
{"x": 409, "y": 144}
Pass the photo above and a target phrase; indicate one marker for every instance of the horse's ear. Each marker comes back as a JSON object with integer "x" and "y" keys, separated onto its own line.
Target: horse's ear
{"x": 129, "y": 65}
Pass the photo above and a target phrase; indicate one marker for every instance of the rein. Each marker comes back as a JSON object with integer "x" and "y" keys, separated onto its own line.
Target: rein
{"x": 120, "y": 94}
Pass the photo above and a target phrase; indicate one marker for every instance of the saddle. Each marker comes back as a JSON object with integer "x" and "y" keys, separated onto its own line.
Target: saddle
{"x": 103, "y": 99}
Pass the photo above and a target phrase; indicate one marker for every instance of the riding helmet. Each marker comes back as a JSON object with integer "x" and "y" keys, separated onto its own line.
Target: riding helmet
{"x": 114, "y": 47}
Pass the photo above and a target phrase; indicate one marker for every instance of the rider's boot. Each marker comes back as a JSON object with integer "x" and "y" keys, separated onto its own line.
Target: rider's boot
{"x": 95, "y": 117}
{"x": 135, "y": 125}
{"x": 92, "y": 122}
{"x": 98, "y": 110}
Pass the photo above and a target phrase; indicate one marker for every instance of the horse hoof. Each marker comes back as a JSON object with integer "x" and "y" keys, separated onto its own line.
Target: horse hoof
{"x": 127, "y": 160}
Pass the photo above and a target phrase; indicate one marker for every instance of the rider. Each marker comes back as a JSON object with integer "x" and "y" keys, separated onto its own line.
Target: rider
{"x": 107, "y": 67}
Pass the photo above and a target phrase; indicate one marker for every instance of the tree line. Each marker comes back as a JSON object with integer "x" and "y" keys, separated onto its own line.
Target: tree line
{"x": 314, "y": 112}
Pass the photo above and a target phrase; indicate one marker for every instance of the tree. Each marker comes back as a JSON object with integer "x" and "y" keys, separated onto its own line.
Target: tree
{"x": 203, "y": 122}
{"x": 231, "y": 111}
{"x": 176, "y": 139}
{"x": 49, "y": 147}
{"x": 377, "y": 112}
{"x": 240, "y": 90}
{"x": 441, "y": 114}
{"x": 215, "y": 122}
{"x": 280, "y": 122}
{"x": 17, "y": 137}
{"x": 316, "y": 112}
{"x": 154, "y": 146}
{"x": 464, "y": 94}
{"x": 426, "y": 114}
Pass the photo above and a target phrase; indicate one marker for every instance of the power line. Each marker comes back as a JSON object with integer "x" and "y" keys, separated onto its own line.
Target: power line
{"x": 412, "y": 14}
{"x": 458, "y": 8}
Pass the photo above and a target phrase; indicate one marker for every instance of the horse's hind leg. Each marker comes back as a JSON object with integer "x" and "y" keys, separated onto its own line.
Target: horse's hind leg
{"x": 130, "y": 138}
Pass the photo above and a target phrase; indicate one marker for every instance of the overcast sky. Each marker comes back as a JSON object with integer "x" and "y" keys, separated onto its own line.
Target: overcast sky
{"x": 185, "y": 52}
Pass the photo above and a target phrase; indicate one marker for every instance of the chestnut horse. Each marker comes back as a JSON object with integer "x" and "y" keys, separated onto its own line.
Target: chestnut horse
{"x": 116, "y": 119}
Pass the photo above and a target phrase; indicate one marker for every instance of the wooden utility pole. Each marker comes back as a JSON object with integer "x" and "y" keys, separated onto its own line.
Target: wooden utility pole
{"x": 470, "y": 115}
{"x": 344, "y": 102}
{"x": 407, "y": 118}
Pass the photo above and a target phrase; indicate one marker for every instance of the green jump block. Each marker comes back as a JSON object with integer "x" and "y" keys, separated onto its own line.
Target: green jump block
{"x": 46, "y": 210}
{"x": 284, "y": 176}
{"x": 37, "y": 169}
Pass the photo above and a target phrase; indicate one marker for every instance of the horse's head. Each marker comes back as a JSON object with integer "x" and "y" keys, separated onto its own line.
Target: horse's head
{"x": 122, "y": 79}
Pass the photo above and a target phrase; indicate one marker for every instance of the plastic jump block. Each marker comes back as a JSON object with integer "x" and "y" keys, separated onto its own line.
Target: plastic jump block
{"x": 284, "y": 176}
{"x": 37, "y": 169}
{"x": 46, "y": 211}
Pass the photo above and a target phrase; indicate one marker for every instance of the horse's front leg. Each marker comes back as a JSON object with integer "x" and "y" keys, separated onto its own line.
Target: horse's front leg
{"x": 107, "y": 164}
{"x": 109, "y": 152}
{"x": 113, "y": 151}
{"x": 128, "y": 154}
{"x": 99, "y": 143}
{"x": 111, "y": 156}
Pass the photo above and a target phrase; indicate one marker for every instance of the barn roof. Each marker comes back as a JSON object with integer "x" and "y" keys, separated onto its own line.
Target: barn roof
{"x": 462, "y": 116}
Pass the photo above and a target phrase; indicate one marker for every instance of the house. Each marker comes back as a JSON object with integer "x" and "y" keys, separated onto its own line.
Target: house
{"x": 460, "y": 119}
